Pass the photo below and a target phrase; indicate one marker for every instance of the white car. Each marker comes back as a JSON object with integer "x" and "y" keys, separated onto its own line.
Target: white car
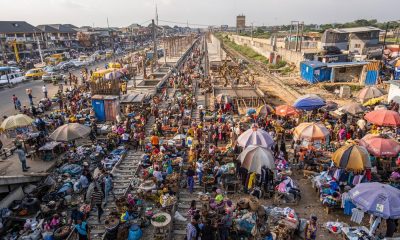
{"x": 13, "y": 77}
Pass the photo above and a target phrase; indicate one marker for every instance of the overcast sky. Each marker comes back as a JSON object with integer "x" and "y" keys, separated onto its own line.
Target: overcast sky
{"x": 208, "y": 12}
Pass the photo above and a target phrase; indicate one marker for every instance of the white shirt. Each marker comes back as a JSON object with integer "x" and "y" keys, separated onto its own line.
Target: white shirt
{"x": 125, "y": 137}
{"x": 44, "y": 89}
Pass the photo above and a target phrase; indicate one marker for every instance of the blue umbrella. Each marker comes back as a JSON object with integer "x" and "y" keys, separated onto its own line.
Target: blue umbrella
{"x": 309, "y": 102}
{"x": 381, "y": 200}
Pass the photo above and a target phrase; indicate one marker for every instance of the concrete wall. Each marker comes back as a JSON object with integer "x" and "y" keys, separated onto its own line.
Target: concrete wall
{"x": 264, "y": 47}
{"x": 394, "y": 93}
{"x": 351, "y": 74}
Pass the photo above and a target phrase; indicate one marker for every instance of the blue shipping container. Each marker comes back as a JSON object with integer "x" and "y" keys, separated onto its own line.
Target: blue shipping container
{"x": 371, "y": 77}
{"x": 98, "y": 108}
{"x": 314, "y": 71}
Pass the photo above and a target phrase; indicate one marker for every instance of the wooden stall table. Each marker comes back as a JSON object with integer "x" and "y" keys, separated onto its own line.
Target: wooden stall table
{"x": 49, "y": 147}
{"x": 161, "y": 228}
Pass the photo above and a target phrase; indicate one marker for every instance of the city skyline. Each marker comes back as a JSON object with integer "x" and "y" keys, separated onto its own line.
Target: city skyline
{"x": 196, "y": 13}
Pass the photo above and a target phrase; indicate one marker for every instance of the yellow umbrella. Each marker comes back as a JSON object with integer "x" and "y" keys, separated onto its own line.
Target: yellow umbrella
{"x": 19, "y": 120}
{"x": 352, "y": 157}
{"x": 264, "y": 110}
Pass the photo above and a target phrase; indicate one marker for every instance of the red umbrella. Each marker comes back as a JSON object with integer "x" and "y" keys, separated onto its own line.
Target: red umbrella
{"x": 381, "y": 147}
{"x": 383, "y": 117}
{"x": 286, "y": 110}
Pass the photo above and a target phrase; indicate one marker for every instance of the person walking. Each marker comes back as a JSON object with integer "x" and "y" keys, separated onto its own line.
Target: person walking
{"x": 190, "y": 180}
{"x": 14, "y": 99}
{"x": 30, "y": 98}
{"x": 108, "y": 187}
{"x": 18, "y": 104}
{"x": 191, "y": 230}
{"x": 22, "y": 157}
{"x": 44, "y": 90}
{"x": 199, "y": 171}
{"x": 96, "y": 200}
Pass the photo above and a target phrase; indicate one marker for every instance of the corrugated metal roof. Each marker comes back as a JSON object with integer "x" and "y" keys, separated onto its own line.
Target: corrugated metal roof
{"x": 314, "y": 64}
{"x": 355, "y": 29}
{"x": 346, "y": 64}
{"x": 17, "y": 27}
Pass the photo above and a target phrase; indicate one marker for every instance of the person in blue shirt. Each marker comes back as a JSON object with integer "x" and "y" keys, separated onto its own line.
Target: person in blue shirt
{"x": 82, "y": 229}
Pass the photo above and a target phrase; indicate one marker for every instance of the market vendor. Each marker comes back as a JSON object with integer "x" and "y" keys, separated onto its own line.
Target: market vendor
{"x": 82, "y": 229}
{"x": 311, "y": 229}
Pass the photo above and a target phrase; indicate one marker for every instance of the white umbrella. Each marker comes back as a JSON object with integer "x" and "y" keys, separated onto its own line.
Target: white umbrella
{"x": 69, "y": 132}
{"x": 255, "y": 136}
{"x": 253, "y": 158}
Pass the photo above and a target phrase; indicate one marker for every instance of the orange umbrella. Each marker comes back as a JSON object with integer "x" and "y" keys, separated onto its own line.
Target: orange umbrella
{"x": 383, "y": 117}
{"x": 381, "y": 147}
{"x": 286, "y": 110}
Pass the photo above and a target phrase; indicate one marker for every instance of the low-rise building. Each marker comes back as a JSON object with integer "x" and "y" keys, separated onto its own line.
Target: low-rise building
{"x": 359, "y": 41}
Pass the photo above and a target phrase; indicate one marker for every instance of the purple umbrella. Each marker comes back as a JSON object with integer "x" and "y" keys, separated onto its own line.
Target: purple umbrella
{"x": 378, "y": 199}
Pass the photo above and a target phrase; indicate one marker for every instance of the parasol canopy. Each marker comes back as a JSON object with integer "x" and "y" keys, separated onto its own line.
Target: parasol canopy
{"x": 286, "y": 110}
{"x": 179, "y": 137}
{"x": 69, "y": 132}
{"x": 309, "y": 102}
{"x": 253, "y": 158}
{"x": 223, "y": 98}
{"x": 351, "y": 157}
{"x": 381, "y": 200}
{"x": 330, "y": 106}
{"x": 380, "y": 147}
{"x": 383, "y": 118}
{"x": 353, "y": 108}
{"x": 16, "y": 121}
{"x": 368, "y": 93}
{"x": 311, "y": 131}
{"x": 255, "y": 136}
{"x": 264, "y": 110}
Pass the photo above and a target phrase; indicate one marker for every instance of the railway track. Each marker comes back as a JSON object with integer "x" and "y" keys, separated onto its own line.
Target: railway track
{"x": 289, "y": 94}
{"x": 124, "y": 172}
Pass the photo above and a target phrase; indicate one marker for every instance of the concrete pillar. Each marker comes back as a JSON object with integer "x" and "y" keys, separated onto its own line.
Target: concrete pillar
{"x": 333, "y": 75}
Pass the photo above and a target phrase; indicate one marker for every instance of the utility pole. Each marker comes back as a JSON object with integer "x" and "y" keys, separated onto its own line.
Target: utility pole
{"x": 297, "y": 35}
{"x": 290, "y": 34}
{"x": 165, "y": 50}
{"x": 384, "y": 39}
{"x": 155, "y": 55}
{"x": 252, "y": 31}
{"x": 302, "y": 34}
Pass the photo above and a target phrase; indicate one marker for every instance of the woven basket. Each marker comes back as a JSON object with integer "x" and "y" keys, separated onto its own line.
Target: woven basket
{"x": 243, "y": 203}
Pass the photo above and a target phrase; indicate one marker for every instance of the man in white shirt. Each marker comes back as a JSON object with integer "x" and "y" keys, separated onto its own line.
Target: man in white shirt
{"x": 44, "y": 89}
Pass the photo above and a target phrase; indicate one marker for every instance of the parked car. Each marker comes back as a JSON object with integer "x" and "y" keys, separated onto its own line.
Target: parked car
{"x": 35, "y": 73}
{"x": 65, "y": 66}
{"x": 13, "y": 77}
{"x": 50, "y": 76}
{"x": 79, "y": 64}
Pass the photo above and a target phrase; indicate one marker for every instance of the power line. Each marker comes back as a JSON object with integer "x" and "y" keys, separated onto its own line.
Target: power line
{"x": 185, "y": 23}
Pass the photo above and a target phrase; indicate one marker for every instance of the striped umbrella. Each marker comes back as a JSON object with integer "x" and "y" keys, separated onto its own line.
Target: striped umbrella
{"x": 286, "y": 110}
{"x": 311, "y": 131}
{"x": 351, "y": 157}
{"x": 383, "y": 118}
{"x": 255, "y": 136}
{"x": 253, "y": 158}
{"x": 264, "y": 110}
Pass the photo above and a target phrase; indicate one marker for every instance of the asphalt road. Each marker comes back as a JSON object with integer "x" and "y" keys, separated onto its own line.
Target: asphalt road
{"x": 6, "y": 103}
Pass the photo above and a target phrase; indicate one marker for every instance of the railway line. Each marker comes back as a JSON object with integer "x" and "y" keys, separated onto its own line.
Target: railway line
{"x": 281, "y": 90}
